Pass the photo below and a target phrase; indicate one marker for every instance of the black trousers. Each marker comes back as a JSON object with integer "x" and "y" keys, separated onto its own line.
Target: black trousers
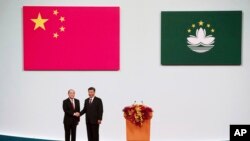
{"x": 93, "y": 132}
{"x": 70, "y": 130}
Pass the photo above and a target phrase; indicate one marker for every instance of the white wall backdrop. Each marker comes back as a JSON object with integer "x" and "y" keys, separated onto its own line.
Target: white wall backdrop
{"x": 189, "y": 102}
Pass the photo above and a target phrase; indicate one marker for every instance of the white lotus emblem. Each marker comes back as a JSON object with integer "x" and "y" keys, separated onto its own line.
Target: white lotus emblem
{"x": 201, "y": 43}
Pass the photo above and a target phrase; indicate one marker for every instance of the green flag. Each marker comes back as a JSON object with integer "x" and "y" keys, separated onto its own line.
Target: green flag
{"x": 201, "y": 38}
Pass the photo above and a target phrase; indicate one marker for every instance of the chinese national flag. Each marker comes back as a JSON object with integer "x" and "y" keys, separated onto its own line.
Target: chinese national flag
{"x": 71, "y": 38}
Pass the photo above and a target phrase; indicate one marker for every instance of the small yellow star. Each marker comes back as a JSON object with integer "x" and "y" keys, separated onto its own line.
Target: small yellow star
{"x": 62, "y": 28}
{"x": 62, "y": 19}
{"x": 193, "y": 25}
{"x": 39, "y": 21}
{"x": 189, "y": 30}
{"x": 201, "y": 23}
{"x": 55, "y": 12}
{"x": 55, "y": 35}
{"x": 208, "y": 25}
{"x": 212, "y": 30}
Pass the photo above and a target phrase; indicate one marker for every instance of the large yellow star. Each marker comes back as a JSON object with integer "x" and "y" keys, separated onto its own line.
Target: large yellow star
{"x": 39, "y": 21}
{"x": 200, "y": 23}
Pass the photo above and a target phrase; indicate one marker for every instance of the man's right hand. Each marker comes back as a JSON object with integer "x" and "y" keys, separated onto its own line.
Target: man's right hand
{"x": 77, "y": 114}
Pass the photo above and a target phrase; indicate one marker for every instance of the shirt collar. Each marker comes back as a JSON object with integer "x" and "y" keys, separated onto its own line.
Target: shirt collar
{"x": 72, "y": 99}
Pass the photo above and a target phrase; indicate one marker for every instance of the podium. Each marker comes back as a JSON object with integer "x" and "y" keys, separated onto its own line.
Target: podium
{"x": 138, "y": 119}
{"x": 136, "y": 133}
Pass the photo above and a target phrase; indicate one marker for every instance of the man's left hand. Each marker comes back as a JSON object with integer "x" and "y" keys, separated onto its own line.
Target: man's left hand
{"x": 99, "y": 121}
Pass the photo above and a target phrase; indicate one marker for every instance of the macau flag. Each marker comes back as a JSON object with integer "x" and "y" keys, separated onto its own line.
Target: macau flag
{"x": 71, "y": 38}
{"x": 201, "y": 38}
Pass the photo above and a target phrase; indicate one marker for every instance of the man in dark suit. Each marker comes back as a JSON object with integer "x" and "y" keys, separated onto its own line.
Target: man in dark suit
{"x": 71, "y": 108}
{"x": 93, "y": 109}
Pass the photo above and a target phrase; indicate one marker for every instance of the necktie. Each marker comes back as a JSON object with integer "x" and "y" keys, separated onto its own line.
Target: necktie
{"x": 90, "y": 100}
{"x": 72, "y": 103}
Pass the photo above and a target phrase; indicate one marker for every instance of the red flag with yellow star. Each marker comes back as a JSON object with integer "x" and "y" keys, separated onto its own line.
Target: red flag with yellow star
{"x": 71, "y": 38}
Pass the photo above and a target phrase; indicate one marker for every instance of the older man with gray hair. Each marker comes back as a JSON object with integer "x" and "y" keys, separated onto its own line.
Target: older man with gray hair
{"x": 71, "y": 108}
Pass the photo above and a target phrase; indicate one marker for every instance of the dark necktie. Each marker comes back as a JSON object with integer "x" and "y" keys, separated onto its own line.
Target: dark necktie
{"x": 90, "y": 100}
{"x": 72, "y": 103}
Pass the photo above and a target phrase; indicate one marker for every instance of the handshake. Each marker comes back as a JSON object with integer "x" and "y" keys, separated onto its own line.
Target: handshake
{"x": 77, "y": 114}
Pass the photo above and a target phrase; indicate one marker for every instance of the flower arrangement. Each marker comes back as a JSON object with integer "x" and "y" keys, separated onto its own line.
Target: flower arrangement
{"x": 137, "y": 113}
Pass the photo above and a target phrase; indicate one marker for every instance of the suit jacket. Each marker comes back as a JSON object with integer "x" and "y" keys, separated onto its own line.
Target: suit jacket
{"x": 93, "y": 111}
{"x": 69, "y": 111}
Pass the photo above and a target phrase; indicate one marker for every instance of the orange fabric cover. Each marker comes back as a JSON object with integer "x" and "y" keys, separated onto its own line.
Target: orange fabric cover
{"x": 136, "y": 133}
